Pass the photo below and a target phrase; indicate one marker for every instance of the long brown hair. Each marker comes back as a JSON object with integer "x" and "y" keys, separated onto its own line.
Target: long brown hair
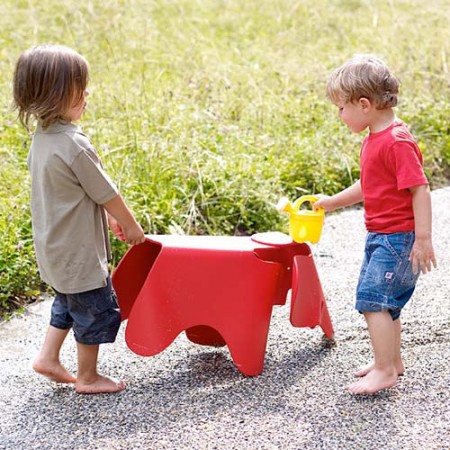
{"x": 48, "y": 80}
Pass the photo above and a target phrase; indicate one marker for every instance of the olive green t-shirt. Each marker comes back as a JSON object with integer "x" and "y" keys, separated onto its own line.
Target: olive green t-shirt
{"x": 70, "y": 229}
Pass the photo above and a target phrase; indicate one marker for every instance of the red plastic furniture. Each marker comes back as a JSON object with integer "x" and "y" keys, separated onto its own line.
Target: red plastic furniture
{"x": 219, "y": 290}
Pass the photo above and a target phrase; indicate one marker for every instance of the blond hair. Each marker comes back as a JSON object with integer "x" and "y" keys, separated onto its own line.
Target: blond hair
{"x": 48, "y": 81}
{"x": 364, "y": 76}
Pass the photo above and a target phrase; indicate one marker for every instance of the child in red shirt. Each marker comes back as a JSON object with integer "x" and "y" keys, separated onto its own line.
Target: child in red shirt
{"x": 397, "y": 211}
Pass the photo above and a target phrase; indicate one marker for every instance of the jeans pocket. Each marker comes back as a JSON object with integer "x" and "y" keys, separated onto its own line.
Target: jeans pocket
{"x": 398, "y": 244}
{"x": 409, "y": 278}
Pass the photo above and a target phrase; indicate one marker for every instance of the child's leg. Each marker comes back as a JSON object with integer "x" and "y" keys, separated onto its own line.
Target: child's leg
{"x": 88, "y": 380}
{"x": 398, "y": 362}
{"x": 363, "y": 371}
{"x": 383, "y": 335}
{"x": 47, "y": 363}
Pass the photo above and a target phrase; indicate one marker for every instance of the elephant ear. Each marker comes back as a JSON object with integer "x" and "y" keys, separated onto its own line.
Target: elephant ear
{"x": 308, "y": 304}
{"x": 131, "y": 273}
{"x": 279, "y": 248}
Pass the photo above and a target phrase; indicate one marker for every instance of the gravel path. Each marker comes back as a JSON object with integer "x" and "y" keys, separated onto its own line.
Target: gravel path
{"x": 192, "y": 397}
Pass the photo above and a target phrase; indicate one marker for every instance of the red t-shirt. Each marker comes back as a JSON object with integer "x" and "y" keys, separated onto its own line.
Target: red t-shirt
{"x": 391, "y": 162}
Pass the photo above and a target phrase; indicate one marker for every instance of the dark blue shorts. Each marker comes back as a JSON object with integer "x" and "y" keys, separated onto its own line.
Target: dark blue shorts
{"x": 93, "y": 315}
{"x": 386, "y": 281}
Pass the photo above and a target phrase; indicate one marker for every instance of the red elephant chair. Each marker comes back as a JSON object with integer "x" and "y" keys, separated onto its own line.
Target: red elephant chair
{"x": 219, "y": 290}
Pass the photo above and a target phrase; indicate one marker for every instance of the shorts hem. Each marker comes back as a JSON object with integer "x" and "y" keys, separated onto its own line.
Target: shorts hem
{"x": 59, "y": 326}
{"x": 365, "y": 306}
{"x": 108, "y": 340}
{"x": 372, "y": 306}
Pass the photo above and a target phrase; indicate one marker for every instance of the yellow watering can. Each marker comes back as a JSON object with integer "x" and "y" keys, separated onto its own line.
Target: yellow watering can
{"x": 304, "y": 225}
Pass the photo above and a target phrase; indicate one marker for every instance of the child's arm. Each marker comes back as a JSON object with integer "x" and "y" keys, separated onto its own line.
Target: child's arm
{"x": 124, "y": 223}
{"x": 422, "y": 254}
{"x": 347, "y": 197}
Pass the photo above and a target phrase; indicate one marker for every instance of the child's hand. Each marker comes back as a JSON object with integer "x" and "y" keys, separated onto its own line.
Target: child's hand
{"x": 122, "y": 222}
{"x": 134, "y": 235}
{"x": 422, "y": 255}
{"x": 324, "y": 201}
{"x": 116, "y": 228}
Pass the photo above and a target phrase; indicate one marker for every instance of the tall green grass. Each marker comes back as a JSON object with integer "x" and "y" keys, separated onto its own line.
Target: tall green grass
{"x": 205, "y": 112}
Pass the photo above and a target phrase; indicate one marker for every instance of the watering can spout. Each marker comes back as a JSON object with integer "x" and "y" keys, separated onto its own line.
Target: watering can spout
{"x": 284, "y": 205}
{"x": 304, "y": 225}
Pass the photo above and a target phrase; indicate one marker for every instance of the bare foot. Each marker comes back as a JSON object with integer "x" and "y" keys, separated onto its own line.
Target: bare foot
{"x": 54, "y": 371}
{"x": 375, "y": 381}
{"x": 101, "y": 385}
{"x": 363, "y": 371}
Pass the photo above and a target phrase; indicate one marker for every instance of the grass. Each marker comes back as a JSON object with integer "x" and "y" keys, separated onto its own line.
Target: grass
{"x": 205, "y": 112}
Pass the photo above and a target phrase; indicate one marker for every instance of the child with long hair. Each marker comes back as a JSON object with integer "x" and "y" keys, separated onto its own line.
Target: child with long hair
{"x": 72, "y": 203}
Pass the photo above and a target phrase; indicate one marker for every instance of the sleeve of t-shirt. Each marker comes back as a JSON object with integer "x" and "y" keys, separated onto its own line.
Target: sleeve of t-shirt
{"x": 93, "y": 179}
{"x": 407, "y": 160}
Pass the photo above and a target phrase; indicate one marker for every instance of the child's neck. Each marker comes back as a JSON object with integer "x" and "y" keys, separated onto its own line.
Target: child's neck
{"x": 382, "y": 119}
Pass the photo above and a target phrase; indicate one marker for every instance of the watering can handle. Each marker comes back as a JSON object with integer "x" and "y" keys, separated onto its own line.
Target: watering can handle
{"x": 307, "y": 198}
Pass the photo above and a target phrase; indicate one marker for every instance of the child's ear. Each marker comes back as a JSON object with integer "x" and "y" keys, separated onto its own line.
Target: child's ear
{"x": 364, "y": 103}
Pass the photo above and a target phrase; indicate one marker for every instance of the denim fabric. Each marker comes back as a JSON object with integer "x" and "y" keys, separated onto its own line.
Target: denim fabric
{"x": 94, "y": 315}
{"x": 386, "y": 281}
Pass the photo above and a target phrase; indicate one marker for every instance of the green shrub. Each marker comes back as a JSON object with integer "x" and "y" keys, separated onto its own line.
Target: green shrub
{"x": 18, "y": 274}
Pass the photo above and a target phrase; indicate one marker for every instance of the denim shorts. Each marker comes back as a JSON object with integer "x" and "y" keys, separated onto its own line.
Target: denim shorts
{"x": 94, "y": 315}
{"x": 386, "y": 281}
